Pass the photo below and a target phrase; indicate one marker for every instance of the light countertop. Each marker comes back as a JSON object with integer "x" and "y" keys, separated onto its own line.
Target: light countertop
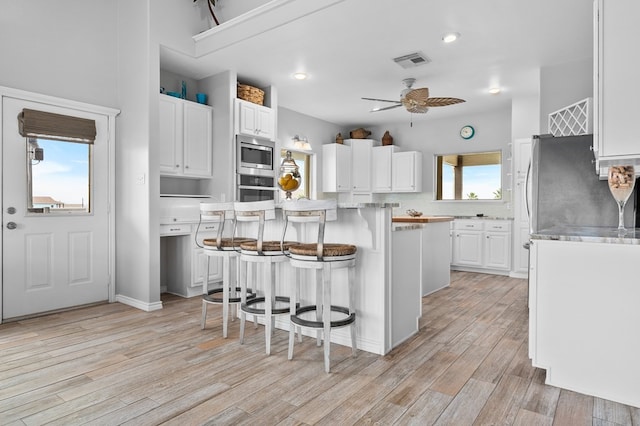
{"x": 590, "y": 234}
{"x": 421, "y": 219}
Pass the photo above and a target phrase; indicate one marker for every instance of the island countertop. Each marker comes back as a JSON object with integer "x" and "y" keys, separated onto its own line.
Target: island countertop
{"x": 421, "y": 219}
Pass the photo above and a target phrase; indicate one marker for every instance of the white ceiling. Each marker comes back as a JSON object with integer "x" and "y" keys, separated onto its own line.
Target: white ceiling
{"x": 347, "y": 51}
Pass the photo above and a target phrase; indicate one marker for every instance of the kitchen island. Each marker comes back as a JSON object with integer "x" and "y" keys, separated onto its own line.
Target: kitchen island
{"x": 436, "y": 250}
{"x": 584, "y": 310}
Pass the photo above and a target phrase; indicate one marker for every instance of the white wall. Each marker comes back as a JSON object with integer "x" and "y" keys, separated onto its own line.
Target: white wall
{"x": 45, "y": 49}
{"x": 431, "y": 137}
{"x": 562, "y": 85}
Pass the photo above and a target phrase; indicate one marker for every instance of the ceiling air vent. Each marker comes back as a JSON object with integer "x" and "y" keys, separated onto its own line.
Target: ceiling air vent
{"x": 412, "y": 60}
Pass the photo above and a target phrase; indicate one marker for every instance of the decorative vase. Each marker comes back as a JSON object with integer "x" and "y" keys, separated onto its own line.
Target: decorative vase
{"x": 387, "y": 139}
{"x": 359, "y": 133}
{"x": 339, "y": 138}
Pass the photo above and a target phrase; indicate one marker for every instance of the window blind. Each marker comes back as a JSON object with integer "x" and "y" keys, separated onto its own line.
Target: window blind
{"x": 47, "y": 125}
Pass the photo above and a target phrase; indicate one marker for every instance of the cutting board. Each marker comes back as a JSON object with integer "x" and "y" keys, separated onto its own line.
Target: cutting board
{"x": 422, "y": 219}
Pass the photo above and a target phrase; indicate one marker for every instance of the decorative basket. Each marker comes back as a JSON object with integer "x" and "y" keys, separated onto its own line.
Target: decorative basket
{"x": 251, "y": 94}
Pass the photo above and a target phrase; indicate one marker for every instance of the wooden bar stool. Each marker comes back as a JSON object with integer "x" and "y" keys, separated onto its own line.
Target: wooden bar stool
{"x": 267, "y": 254}
{"x": 228, "y": 249}
{"x": 323, "y": 258}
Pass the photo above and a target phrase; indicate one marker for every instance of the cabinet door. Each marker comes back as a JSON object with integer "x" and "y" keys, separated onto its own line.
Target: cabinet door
{"x": 616, "y": 109}
{"x": 246, "y": 118}
{"x": 381, "y": 160}
{"x": 170, "y": 138}
{"x": 407, "y": 171}
{"x": 520, "y": 254}
{"x": 336, "y": 168}
{"x": 197, "y": 140}
{"x": 467, "y": 248}
{"x": 200, "y": 265}
{"x": 522, "y": 157}
{"x": 361, "y": 164}
{"x": 265, "y": 122}
{"x": 497, "y": 250}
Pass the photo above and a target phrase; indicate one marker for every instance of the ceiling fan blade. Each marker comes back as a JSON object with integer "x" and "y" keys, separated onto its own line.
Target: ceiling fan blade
{"x": 419, "y": 95}
{"x": 438, "y": 102}
{"x": 386, "y": 108}
{"x": 380, "y": 100}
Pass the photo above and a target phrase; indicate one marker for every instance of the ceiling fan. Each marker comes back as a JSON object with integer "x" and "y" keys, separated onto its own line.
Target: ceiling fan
{"x": 415, "y": 100}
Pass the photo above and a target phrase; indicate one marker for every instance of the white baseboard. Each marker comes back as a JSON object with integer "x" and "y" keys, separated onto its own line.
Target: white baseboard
{"x": 138, "y": 303}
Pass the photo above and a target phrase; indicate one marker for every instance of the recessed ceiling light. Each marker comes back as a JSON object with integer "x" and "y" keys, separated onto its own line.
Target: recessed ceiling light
{"x": 494, "y": 90}
{"x": 300, "y": 76}
{"x": 450, "y": 37}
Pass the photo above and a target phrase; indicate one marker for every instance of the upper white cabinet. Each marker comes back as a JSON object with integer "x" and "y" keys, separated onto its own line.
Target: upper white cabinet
{"x": 361, "y": 153}
{"x": 254, "y": 120}
{"x": 336, "y": 168}
{"x": 616, "y": 82}
{"x": 407, "y": 171}
{"x": 185, "y": 138}
{"x": 381, "y": 163}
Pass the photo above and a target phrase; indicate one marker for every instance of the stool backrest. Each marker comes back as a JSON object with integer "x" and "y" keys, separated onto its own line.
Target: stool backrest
{"x": 255, "y": 211}
{"x": 217, "y": 212}
{"x": 319, "y": 211}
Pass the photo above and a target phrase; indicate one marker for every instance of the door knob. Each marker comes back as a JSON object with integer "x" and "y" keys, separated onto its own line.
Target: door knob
{"x": 11, "y": 225}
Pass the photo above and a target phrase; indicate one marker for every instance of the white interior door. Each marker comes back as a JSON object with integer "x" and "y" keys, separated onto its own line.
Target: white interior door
{"x": 58, "y": 257}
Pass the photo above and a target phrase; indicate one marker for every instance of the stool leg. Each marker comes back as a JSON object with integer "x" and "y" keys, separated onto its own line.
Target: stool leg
{"x": 293, "y": 298}
{"x": 243, "y": 295}
{"x": 319, "y": 279}
{"x": 297, "y": 284}
{"x": 225, "y": 292}
{"x": 326, "y": 313}
{"x": 352, "y": 306}
{"x": 252, "y": 276}
{"x": 269, "y": 283}
{"x": 205, "y": 290}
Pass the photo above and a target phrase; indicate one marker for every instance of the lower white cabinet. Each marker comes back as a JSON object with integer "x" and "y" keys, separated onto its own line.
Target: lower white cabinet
{"x": 183, "y": 262}
{"x": 481, "y": 244}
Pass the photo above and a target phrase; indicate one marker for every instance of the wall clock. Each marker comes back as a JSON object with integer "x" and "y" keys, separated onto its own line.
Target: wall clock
{"x": 467, "y": 132}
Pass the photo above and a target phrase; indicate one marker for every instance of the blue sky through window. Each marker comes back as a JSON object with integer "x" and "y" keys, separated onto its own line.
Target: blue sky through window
{"x": 63, "y": 174}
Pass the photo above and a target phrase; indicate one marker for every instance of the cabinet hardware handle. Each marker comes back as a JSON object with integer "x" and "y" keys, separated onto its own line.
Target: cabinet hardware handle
{"x": 186, "y": 167}
{"x": 177, "y": 165}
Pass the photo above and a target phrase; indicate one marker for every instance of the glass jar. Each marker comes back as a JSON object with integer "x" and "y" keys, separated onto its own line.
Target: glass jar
{"x": 289, "y": 176}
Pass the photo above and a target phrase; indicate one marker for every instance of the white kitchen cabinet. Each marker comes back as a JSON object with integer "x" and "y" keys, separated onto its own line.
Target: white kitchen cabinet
{"x": 336, "y": 168}
{"x": 467, "y": 243}
{"x": 381, "y": 163}
{"x": 361, "y": 153}
{"x": 407, "y": 171}
{"x": 185, "y": 139}
{"x": 584, "y": 316}
{"x": 482, "y": 245}
{"x": 616, "y": 83}
{"x": 183, "y": 263}
{"x": 254, "y": 120}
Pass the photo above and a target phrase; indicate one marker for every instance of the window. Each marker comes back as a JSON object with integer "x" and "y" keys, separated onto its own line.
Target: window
{"x": 470, "y": 176}
{"x": 58, "y": 176}
{"x": 303, "y": 161}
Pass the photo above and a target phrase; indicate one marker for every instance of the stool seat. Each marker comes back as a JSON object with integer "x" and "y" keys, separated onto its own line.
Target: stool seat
{"x": 329, "y": 250}
{"x": 271, "y": 246}
{"x": 225, "y": 243}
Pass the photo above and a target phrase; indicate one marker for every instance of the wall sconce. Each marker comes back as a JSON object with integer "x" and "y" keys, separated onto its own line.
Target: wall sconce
{"x": 301, "y": 143}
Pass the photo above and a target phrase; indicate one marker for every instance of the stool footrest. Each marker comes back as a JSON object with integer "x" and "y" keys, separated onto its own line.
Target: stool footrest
{"x": 218, "y": 299}
{"x": 351, "y": 317}
{"x": 248, "y": 306}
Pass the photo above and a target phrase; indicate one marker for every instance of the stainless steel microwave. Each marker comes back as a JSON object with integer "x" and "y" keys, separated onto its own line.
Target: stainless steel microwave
{"x": 255, "y": 156}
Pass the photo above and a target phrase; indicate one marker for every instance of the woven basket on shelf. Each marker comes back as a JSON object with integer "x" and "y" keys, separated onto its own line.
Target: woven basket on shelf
{"x": 251, "y": 94}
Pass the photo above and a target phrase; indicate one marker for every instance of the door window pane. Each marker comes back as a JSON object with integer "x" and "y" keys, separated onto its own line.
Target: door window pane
{"x": 58, "y": 176}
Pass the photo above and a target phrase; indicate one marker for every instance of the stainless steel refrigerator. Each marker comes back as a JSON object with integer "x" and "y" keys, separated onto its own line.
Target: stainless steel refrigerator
{"x": 565, "y": 189}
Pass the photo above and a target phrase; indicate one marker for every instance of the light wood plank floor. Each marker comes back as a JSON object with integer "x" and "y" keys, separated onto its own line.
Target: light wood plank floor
{"x": 112, "y": 364}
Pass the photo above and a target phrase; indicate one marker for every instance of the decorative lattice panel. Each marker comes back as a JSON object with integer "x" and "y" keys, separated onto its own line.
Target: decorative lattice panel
{"x": 572, "y": 120}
